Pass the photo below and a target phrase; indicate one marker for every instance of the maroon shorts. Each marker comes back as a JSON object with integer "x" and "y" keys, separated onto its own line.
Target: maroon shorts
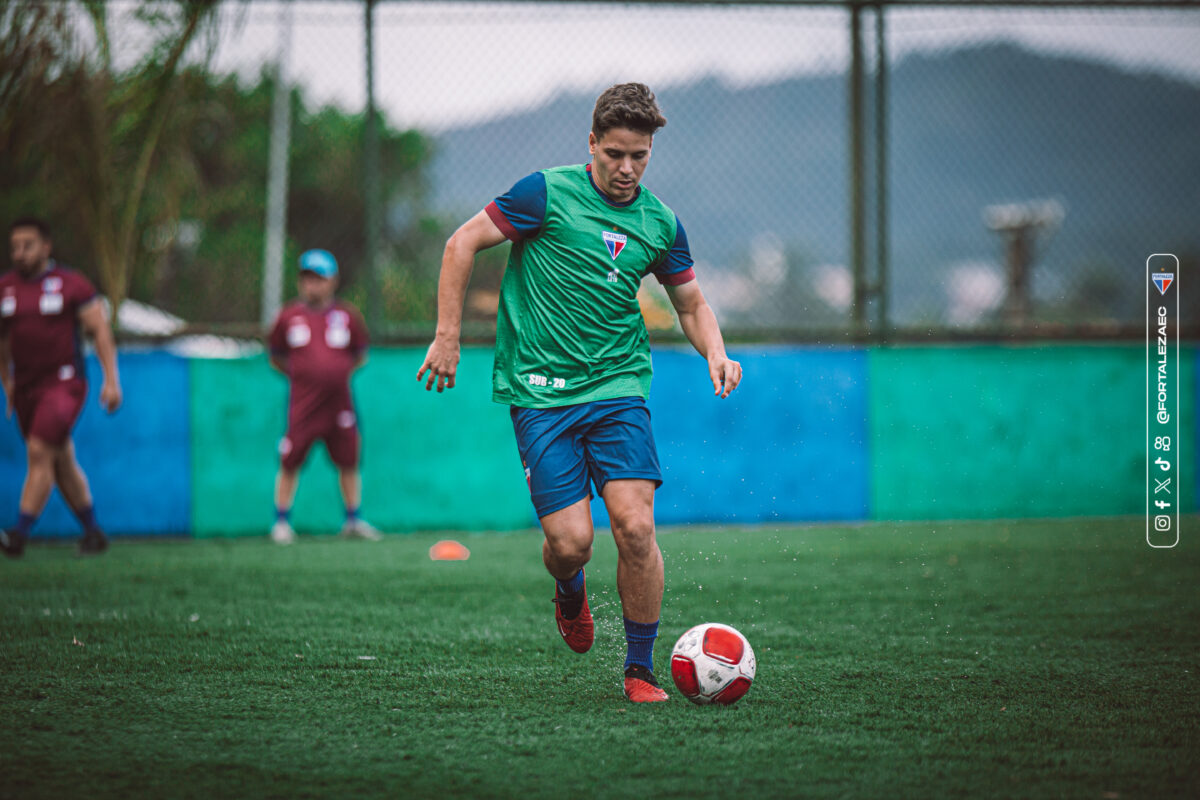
{"x": 49, "y": 410}
{"x": 337, "y": 428}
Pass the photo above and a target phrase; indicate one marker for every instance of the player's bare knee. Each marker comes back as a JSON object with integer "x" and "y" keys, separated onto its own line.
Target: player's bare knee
{"x": 64, "y": 462}
{"x": 570, "y": 550}
{"x": 634, "y": 537}
{"x": 634, "y": 523}
{"x": 63, "y": 470}
{"x": 41, "y": 453}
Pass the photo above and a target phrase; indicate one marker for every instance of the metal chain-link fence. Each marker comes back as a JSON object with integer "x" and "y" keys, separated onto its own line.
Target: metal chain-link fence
{"x": 1038, "y": 157}
{"x": 1013, "y": 168}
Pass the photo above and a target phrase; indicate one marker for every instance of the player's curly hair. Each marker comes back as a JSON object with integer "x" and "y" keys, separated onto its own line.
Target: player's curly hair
{"x": 627, "y": 105}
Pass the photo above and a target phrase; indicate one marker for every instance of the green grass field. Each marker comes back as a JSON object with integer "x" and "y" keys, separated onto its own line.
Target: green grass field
{"x": 971, "y": 659}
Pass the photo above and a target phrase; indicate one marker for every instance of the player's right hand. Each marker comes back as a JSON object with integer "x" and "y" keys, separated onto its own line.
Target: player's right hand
{"x": 441, "y": 361}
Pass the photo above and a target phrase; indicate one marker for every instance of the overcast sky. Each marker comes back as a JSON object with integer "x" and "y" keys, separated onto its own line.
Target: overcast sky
{"x": 441, "y": 64}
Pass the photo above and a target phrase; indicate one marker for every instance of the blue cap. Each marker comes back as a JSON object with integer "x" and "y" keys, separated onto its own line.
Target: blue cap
{"x": 321, "y": 262}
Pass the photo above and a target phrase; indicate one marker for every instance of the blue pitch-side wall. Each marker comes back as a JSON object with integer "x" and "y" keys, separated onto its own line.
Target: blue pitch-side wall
{"x": 789, "y": 444}
{"x": 138, "y": 460}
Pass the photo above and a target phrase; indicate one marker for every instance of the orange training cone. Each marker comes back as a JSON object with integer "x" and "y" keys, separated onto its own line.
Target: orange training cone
{"x": 449, "y": 550}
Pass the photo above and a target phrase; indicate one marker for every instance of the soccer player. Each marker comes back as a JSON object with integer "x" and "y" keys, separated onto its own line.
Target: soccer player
{"x": 573, "y": 359}
{"x": 43, "y": 304}
{"x": 318, "y": 342}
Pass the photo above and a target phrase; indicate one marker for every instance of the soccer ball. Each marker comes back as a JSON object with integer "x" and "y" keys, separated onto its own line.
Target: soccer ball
{"x": 712, "y": 663}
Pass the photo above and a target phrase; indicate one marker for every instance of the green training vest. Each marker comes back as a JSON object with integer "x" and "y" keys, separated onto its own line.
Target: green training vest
{"x": 570, "y": 329}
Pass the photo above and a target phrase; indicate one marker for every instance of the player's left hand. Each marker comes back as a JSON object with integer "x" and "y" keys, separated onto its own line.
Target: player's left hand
{"x": 110, "y": 396}
{"x": 726, "y": 374}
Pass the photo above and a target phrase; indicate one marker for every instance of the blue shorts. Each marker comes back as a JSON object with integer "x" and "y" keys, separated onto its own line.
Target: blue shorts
{"x": 562, "y": 448}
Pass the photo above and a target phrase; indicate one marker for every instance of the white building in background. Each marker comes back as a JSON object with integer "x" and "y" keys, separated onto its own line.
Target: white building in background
{"x": 143, "y": 320}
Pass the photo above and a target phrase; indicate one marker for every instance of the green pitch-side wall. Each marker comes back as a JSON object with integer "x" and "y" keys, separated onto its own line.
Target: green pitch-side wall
{"x": 1015, "y": 431}
{"x": 460, "y": 467}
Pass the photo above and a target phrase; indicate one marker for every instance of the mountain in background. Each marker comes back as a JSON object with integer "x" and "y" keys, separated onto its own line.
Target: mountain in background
{"x": 759, "y": 175}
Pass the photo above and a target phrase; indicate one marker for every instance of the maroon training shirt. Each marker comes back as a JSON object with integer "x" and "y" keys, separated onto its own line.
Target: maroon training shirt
{"x": 40, "y": 317}
{"x": 320, "y": 348}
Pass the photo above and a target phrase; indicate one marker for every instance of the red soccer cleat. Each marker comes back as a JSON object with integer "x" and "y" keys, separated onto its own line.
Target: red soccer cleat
{"x": 578, "y": 632}
{"x": 640, "y": 686}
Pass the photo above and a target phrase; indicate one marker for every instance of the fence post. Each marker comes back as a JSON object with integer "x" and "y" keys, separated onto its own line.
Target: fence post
{"x": 371, "y": 182}
{"x": 277, "y": 175}
{"x": 880, "y": 286}
{"x": 857, "y": 205}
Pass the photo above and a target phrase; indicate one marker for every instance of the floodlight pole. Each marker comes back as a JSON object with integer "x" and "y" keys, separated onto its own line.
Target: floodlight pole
{"x": 1019, "y": 224}
{"x": 1019, "y": 257}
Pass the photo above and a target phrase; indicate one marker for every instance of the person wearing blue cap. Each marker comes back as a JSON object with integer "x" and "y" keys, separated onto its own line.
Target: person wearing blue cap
{"x": 318, "y": 341}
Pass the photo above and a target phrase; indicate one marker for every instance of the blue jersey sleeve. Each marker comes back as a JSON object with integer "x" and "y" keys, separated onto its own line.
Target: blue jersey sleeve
{"x": 520, "y": 212}
{"x": 678, "y": 266}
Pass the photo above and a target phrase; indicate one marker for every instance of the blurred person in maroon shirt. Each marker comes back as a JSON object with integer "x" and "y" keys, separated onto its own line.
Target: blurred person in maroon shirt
{"x": 318, "y": 341}
{"x": 43, "y": 306}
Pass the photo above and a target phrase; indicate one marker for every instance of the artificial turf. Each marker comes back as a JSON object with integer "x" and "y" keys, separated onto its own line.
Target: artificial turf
{"x": 968, "y": 659}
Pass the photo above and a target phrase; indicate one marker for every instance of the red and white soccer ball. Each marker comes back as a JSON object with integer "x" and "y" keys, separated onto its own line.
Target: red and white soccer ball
{"x": 712, "y": 663}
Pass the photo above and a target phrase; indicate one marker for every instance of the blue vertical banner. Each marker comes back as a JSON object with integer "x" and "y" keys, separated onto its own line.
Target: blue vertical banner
{"x": 789, "y": 444}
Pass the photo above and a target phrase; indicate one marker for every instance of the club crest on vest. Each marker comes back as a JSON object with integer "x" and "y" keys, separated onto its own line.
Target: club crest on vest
{"x": 615, "y": 242}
